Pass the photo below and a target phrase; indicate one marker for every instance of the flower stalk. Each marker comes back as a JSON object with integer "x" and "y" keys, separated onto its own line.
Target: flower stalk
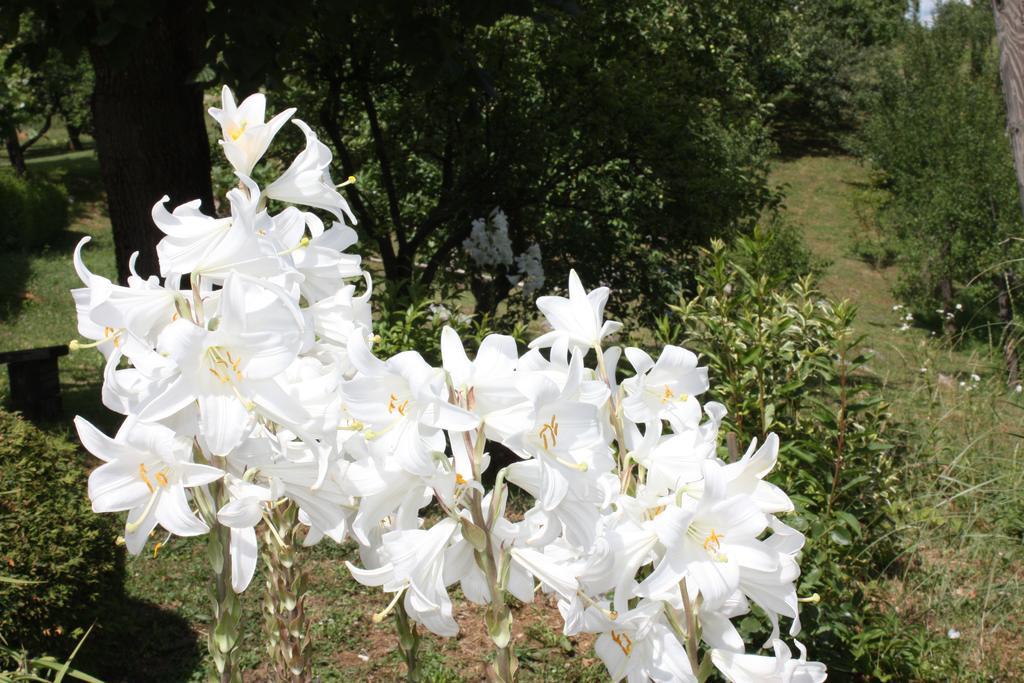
{"x": 408, "y": 643}
{"x": 227, "y": 608}
{"x": 284, "y": 611}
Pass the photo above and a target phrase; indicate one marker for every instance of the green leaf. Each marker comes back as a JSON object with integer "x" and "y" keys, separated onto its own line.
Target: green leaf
{"x": 840, "y": 536}
{"x": 476, "y": 536}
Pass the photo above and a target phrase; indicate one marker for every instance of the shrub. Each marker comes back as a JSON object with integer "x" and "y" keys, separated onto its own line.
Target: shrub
{"x": 33, "y": 212}
{"x": 785, "y": 359}
{"x": 63, "y": 557}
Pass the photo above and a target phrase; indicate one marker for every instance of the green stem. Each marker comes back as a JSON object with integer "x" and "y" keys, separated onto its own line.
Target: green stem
{"x": 408, "y": 643}
{"x": 691, "y": 630}
{"x": 625, "y": 464}
{"x": 227, "y": 608}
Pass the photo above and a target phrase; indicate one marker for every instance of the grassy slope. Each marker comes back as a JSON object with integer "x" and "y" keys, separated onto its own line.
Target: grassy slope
{"x": 964, "y": 518}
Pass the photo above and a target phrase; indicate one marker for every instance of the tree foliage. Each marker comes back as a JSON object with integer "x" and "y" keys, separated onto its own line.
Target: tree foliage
{"x": 615, "y": 136}
{"x": 936, "y": 133}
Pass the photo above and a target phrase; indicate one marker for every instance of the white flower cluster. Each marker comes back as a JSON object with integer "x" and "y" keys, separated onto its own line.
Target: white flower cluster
{"x": 260, "y": 377}
{"x": 488, "y": 245}
{"x": 237, "y": 378}
{"x": 643, "y": 533}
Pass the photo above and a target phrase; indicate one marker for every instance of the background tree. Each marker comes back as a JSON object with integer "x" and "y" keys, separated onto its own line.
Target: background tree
{"x": 812, "y": 61}
{"x": 145, "y": 57}
{"x": 936, "y": 133}
{"x": 613, "y": 137}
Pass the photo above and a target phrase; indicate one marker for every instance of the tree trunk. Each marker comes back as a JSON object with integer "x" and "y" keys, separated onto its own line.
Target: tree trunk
{"x": 75, "y": 138}
{"x": 14, "y": 151}
{"x": 1004, "y": 285}
{"x": 946, "y": 295}
{"x": 149, "y": 128}
{"x": 1009, "y": 17}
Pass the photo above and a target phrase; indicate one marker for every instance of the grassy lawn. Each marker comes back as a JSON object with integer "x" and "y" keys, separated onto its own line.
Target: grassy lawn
{"x": 962, "y": 523}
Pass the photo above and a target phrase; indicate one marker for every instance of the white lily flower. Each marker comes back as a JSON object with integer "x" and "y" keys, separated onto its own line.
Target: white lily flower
{"x": 146, "y": 469}
{"x": 403, "y": 402}
{"x": 782, "y": 668}
{"x": 215, "y": 247}
{"x": 307, "y": 181}
{"x": 665, "y": 389}
{"x": 231, "y": 370}
{"x": 639, "y": 646}
{"x": 578, "y": 318}
{"x": 415, "y": 564}
{"x": 720, "y": 541}
{"x": 241, "y": 514}
{"x": 246, "y": 136}
{"x": 487, "y": 384}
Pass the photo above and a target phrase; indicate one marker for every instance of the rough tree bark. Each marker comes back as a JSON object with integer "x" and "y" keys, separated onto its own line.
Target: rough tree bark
{"x": 149, "y": 128}
{"x": 14, "y": 150}
{"x": 1009, "y": 17}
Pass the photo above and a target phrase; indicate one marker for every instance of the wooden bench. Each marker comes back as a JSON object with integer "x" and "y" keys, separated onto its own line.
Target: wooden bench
{"x": 35, "y": 382}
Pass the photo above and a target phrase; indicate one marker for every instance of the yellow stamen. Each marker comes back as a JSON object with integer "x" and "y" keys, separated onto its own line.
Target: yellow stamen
{"x": 109, "y": 333}
{"x": 394, "y": 405}
{"x": 713, "y": 542}
{"x": 161, "y": 478}
{"x": 459, "y": 479}
{"x": 156, "y": 549}
{"x": 236, "y": 133}
{"x": 549, "y": 429}
{"x": 145, "y": 477}
{"x": 624, "y": 642}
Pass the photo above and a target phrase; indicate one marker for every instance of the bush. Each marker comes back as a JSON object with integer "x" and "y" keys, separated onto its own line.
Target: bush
{"x": 33, "y": 212}
{"x": 62, "y": 558}
{"x": 784, "y": 358}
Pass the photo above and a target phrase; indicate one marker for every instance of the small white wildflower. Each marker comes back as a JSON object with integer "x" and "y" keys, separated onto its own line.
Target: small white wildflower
{"x": 530, "y": 270}
{"x": 439, "y": 312}
{"x": 1019, "y": 388}
{"x": 959, "y": 307}
{"x": 953, "y": 634}
{"x": 975, "y": 378}
{"x": 924, "y": 370}
{"x": 488, "y": 243}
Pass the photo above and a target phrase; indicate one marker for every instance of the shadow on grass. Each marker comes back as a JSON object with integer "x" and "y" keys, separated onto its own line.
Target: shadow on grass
{"x": 796, "y": 140}
{"x": 140, "y": 641}
{"x": 14, "y": 272}
{"x": 79, "y": 172}
{"x": 16, "y": 267}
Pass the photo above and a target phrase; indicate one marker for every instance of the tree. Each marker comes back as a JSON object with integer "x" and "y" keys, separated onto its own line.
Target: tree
{"x": 148, "y": 110}
{"x": 613, "y": 137}
{"x": 936, "y": 133}
{"x": 813, "y": 60}
{"x": 1008, "y": 16}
